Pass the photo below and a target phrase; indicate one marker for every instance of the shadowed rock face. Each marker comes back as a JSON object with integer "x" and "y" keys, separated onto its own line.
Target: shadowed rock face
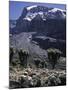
{"x": 52, "y": 28}
{"x": 46, "y": 43}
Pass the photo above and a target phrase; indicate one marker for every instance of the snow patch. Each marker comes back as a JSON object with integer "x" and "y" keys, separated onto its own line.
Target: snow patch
{"x": 55, "y": 9}
{"x": 28, "y": 8}
{"x": 27, "y": 18}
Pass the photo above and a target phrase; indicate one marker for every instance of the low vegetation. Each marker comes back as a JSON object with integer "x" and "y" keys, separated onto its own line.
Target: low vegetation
{"x": 35, "y": 73}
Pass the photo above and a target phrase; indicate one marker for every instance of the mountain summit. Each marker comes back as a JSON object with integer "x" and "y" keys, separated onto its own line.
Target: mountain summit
{"x": 45, "y": 12}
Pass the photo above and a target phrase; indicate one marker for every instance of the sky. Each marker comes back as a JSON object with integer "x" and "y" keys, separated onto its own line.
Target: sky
{"x": 16, "y": 7}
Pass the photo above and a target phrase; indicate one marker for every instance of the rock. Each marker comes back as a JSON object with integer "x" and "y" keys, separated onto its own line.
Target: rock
{"x": 25, "y": 73}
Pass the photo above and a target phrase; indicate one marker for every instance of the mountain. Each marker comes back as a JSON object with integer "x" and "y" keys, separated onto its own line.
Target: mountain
{"x": 51, "y": 21}
{"x": 43, "y": 22}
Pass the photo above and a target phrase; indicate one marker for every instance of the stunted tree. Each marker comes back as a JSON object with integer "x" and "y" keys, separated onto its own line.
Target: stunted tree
{"x": 53, "y": 56}
{"x": 37, "y": 62}
{"x": 11, "y": 54}
{"x": 23, "y": 55}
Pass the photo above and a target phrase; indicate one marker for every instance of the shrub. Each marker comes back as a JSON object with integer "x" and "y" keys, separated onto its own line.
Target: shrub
{"x": 53, "y": 56}
{"x": 62, "y": 77}
{"x": 37, "y": 62}
{"x": 23, "y": 55}
{"x": 11, "y": 54}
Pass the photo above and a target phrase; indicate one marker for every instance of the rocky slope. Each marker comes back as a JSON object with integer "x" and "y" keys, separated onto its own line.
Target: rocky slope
{"x": 37, "y": 47}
